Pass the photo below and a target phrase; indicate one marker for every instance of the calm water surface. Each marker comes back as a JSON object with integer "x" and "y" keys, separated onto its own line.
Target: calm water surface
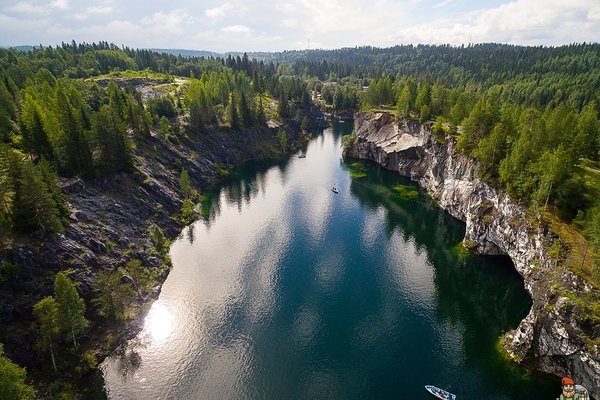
{"x": 287, "y": 290}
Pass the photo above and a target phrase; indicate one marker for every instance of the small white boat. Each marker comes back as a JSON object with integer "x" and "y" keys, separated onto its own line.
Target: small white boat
{"x": 334, "y": 189}
{"x": 302, "y": 156}
{"x": 440, "y": 393}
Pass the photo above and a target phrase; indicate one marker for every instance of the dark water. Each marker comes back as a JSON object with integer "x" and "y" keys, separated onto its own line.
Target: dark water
{"x": 289, "y": 291}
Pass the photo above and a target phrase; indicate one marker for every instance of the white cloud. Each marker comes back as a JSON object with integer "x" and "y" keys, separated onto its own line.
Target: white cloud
{"x": 263, "y": 25}
{"x": 93, "y": 11}
{"x": 60, "y": 4}
{"x": 218, "y": 12}
{"x": 518, "y": 22}
{"x": 237, "y": 29}
{"x": 26, "y": 8}
{"x": 444, "y": 3}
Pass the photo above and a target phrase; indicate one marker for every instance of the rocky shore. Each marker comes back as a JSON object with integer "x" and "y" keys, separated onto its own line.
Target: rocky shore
{"x": 558, "y": 336}
{"x": 111, "y": 218}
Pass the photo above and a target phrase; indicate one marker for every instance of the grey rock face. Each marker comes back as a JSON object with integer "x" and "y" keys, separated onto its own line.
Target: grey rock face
{"x": 552, "y": 336}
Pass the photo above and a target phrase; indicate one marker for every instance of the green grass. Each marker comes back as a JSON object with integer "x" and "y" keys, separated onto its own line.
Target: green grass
{"x": 130, "y": 74}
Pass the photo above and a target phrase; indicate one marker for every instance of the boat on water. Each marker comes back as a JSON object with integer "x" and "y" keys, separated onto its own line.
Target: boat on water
{"x": 302, "y": 156}
{"x": 334, "y": 189}
{"x": 440, "y": 393}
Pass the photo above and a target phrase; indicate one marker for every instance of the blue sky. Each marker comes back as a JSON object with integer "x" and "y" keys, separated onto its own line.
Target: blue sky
{"x": 272, "y": 25}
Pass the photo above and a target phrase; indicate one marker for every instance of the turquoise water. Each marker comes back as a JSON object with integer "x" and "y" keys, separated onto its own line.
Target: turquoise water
{"x": 286, "y": 290}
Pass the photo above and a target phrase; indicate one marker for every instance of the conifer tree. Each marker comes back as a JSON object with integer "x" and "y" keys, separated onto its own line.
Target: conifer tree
{"x": 35, "y": 138}
{"x": 245, "y": 113}
{"x": 76, "y": 152}
{"x": 195, "y": 117}
{"x": 8, "y": 112}
{"x": 114, "y": 296}
{"x": 232, "y": 114}
{"x": 185, "y": 185}
{"x": 113, "y": 143}
{"x": 261, "y": 118}
{"x": 282, "y": 107}
{"x": 34, "y": 208}
{"x": 71, "y": 308}
{"x": 403, "y": 104}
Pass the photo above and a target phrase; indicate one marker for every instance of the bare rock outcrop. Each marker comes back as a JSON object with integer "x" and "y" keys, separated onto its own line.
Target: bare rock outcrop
{"x": 554, "y": 337}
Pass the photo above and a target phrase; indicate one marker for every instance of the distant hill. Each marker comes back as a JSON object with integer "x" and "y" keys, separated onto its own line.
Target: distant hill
{"x": 188, "y": 53}
{"x": 23, "y": 48}
{"x": 205, "y": 53}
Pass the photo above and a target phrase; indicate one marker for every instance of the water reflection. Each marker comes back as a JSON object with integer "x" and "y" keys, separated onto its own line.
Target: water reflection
{"x": 158, "y": 323}
{"x": 287, "y": 290}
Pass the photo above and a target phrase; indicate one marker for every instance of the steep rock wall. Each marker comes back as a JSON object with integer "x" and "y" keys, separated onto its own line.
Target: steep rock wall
{"x": 552, "y": 338}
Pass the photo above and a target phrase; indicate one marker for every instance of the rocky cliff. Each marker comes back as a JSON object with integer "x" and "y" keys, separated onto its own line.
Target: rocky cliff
{"x": 557, "y": 336}
{"x": 111, "y": 219}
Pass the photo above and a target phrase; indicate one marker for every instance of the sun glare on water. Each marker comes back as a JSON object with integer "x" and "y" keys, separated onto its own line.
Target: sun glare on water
{"x": 159, "y": 322}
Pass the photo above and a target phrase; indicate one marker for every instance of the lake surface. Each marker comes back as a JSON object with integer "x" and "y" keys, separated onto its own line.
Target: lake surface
{"x": 287, "y": 290}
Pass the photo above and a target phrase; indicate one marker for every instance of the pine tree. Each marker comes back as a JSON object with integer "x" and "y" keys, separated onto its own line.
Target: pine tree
{"x": 114, "y": 296}
{"x": 46, "y": 313}
{"x": 8, "y": 111}
{"x": 76, "y": 152}
{"x": 185, "y": 185}
{"x": 71, "y": 308}
{"x": 282, "y": 107}
{"x": 49, "y": 178}
{"x": 403, "y": 104}
{"x": 196, "y": 123}
{"x": 245, "y": 113}
{"x": 261, "y": 118}
{"x": 34, "y": 208}
{"x": 113, "y": 143}
{"x": 234, "y": 119}
{"x": 35, "y": 138}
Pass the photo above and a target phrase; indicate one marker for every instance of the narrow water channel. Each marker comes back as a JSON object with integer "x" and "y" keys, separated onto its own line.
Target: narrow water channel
{"x": 287, "y": 290}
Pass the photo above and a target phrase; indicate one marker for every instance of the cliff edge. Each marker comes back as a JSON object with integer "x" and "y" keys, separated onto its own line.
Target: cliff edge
{"x": 557, "y": 336}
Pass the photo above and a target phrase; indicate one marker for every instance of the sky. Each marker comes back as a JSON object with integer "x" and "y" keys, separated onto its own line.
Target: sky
{"x": 276, "y": 25}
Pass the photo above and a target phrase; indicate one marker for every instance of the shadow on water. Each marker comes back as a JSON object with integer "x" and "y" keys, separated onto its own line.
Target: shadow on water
{"x": 468, "y": 291}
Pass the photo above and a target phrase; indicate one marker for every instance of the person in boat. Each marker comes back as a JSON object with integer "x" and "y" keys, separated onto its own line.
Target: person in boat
{"x": 568, "y": 390}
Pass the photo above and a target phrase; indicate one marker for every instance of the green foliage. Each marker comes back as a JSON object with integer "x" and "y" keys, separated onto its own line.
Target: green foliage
{"x": 161, "y": 244}
{"x": 348, "y": 140}
{"x": 12, "y": 380}
{"x": 185, "y": 184}
{"x": 46, "y": 314}
{"x": 282, "y": 137}
{"x": 245, "y": 114}
{"x": 34, "y": 206}
{"x": 76, "y": 153}
{"x": 477, "y": 125}
{"x": 379, "y": 93}
{"x": 161, "y": 106}
{"x": 188, "y": 210}
{"x": 282, "y": 106}
{"x": 113, "y": 295}
{"x": 165, "y": 127}
{"x": 71, "y": 308}
{"x": 405, "y": 102}
{"x": 141, "y": 275}
{"x": 9, "y": 271}
{"x": 232, "y": 113}
{"x": 111, "y": 138}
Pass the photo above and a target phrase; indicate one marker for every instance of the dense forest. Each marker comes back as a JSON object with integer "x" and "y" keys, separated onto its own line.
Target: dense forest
{"x": 529, "y": 115}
